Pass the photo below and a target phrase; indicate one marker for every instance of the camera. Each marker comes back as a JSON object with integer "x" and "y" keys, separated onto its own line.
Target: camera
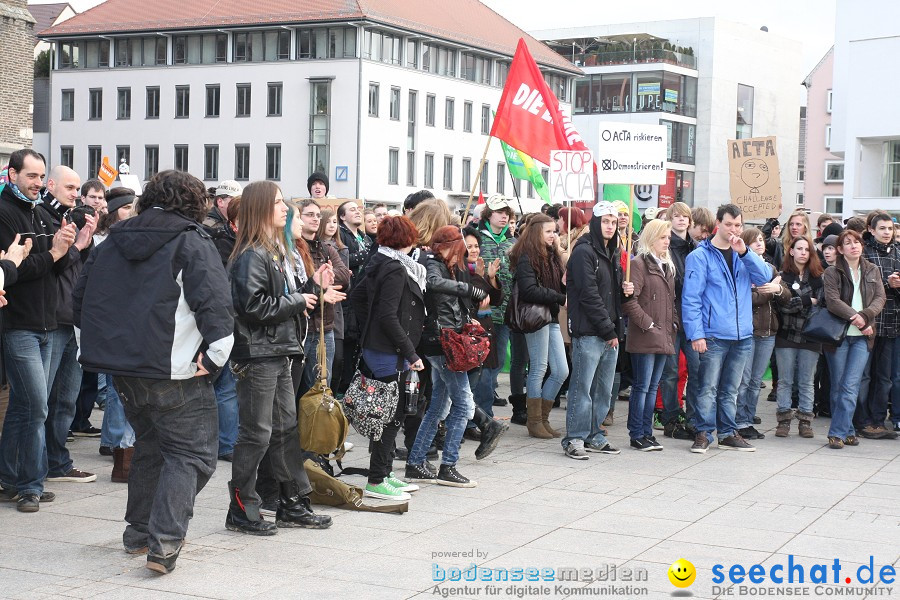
{"x": 77, "y": 214}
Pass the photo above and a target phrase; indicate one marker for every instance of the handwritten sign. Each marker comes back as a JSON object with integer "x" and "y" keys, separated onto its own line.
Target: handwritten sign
{"x": 632, "y": 153}
{"x": 755, "y": 180}
{"x": 107, "y": 173}
{"x": 572, "y": 176}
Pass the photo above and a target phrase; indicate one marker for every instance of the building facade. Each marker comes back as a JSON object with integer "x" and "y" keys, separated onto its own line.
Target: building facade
{"x": 823, "y": 186}
{"x": 384, "y": 103}
{"x": 865, "y": 127}
{"x": 16, "y": 77}
{"x": 707, "y": 80}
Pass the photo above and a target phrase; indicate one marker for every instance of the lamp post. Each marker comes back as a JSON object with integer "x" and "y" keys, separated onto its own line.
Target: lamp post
{"x": 634, "y": 51}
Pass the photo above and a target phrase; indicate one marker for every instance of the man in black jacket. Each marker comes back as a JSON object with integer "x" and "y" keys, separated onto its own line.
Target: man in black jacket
{"x": 29, "y": 320}
{"x": 350, "y": 217}
{"x": 593, "y": 284}
{"x": 152, "y": 308}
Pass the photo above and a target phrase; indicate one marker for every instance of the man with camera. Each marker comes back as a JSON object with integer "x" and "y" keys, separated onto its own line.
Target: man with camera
{"x": 60, "y": 203}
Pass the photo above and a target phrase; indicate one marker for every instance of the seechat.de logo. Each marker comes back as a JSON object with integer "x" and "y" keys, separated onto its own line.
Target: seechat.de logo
{"x": 682, "y": 573}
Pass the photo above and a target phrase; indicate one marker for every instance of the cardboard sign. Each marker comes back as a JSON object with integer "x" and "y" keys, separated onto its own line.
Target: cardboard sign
{"x": 755, "y": 180}
{"x": 107, "y": 173}
{"x": 632, "y": 153}
{"x": 572, "y": 176}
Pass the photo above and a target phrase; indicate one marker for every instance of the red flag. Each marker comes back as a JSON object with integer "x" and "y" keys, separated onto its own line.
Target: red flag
{"x": 480, "y": 197}
{"x": 529, "y": 116}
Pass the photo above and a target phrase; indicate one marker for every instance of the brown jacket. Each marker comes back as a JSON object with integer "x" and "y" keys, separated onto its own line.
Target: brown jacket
{"x": 839, "y": 292}
{"x": 765, "y": 314}
{"x": 653, "y": 302}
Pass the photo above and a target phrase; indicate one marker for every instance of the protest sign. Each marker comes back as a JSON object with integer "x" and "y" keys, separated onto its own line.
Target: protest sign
{"x": 755, "y": 180}
{"x": 632, "y": 153}
{"x": 572, "y": 176}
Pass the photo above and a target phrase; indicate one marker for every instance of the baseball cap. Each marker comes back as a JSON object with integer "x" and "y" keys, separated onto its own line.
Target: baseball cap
{"x": 652, "y": 212}
{"x": 229, "y": 187}
{"x": 497, "y": 202}
{"x": 604, "y": 208}
{"x": 620, "y": 206}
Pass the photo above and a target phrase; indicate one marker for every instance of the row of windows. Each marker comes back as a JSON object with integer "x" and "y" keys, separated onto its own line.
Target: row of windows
{"x": 430, "y": 109}
{"x": 180, "y": 160}
{"x": 274, "y": 93}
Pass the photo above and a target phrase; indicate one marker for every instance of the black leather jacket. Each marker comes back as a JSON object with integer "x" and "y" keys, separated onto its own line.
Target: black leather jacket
{"x": 268, "y": 321}
{"x": 448, "y": 302}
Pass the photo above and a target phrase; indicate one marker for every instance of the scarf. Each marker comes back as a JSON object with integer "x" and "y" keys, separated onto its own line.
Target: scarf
{"x": 300, "y": 269}
{"x": 18, "y": 193}
{"x": 415, "y": 270}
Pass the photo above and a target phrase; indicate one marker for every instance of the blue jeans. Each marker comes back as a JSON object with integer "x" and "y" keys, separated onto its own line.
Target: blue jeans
{"x": 226, "y": 399}
{"x": 23, "y": 462}
{"x": 448, "y": 388}
{"x": 116, "y": 431}
{"x": 593, "y": 370}
{"x": 751, "y": 381}
{"x": 546, "y": 348}
{"x": 501, "y": 338}
{"x": 311, "y": 365}
{"x": 669, "y": 381}
{"x": 646, "y": 370}
{"x": 846, "y": 365}
{"x": 721, "y": 368}
{"x": 796, "y": 367}
{"x": 884, "y": 383}
{"x": 65, "y": 382}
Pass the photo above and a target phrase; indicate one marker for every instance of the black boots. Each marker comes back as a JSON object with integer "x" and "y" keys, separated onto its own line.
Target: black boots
{"x": 246, "y": 519}
{"x": 519, "y": 411}
{"x": 491, "y": 432}
{"x": 294, "y": 510}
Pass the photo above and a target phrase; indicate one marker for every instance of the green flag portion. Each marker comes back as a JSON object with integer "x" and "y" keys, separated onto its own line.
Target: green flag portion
{"x": 521, "y": 166}
{"x": 622, "y": 193}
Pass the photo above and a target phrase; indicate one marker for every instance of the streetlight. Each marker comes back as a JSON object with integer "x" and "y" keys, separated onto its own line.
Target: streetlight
{"x": 634, "y": 51}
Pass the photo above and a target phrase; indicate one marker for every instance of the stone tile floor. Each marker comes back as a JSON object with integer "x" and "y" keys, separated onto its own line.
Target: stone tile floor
{"x": 533, "y": 507}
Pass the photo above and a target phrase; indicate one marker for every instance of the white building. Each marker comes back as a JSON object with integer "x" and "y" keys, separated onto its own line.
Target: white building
{"x": 708, "y": 80}
{"x": 386, "y": 103}
{"x": 865, "y": 122}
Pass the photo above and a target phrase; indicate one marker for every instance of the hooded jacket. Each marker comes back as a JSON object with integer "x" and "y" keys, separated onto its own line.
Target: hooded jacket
{"x": 887, "y": 258}
{"x": 715, "y": 303}
{"x": 594, "y": 284}
{"x": 679, "y": 249}
{"x": 152, "y": 298}
{"x": 492, "y": 248}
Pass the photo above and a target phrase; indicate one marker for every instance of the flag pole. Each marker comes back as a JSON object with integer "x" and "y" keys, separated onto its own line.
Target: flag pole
{"x": 478, "y": 176}
{"x": 630, "y": 233}
{"x": 516, "y": 192}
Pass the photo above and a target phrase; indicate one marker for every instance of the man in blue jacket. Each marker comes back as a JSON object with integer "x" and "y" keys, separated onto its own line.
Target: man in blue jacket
{"x": 718, "y": 320}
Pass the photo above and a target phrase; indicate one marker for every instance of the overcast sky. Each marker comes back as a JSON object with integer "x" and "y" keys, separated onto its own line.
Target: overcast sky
{"x": 808, "y": 21}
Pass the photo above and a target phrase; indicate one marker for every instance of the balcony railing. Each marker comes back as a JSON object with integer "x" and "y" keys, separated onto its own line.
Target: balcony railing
{"x": 638, "y": 56}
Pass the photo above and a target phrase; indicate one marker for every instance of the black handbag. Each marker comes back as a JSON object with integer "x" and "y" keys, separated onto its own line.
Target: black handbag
{"x": 823, "y": 327}
{"x": 525, "y": 317}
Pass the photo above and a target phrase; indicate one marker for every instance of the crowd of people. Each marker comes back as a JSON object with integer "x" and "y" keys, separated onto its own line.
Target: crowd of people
{"x": 199, "y": 317}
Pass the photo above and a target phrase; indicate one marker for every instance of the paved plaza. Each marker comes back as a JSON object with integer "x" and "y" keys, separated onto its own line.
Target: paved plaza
{"x": 610, "y": 518}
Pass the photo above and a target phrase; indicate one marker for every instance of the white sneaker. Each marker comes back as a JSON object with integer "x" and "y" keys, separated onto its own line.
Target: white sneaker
{"x": 348, "y": 446}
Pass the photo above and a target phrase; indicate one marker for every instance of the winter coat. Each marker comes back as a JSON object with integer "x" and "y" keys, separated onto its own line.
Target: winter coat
{"x": 151, "y": 298}
{"x": 344, "y": 255}
{"x": 765, "y": 312}
{"x": 652, "y": 311}
{"x": 716, "y": 304}
{"x": 887, "y": 259}
{"x": 447, "y": 301}
{"x": 679, "y": 250}
{"x": 594, "y": 290}
{"x": 795, "y": 311}
{"x": 322, "y": 253}
{"x": 839, "y": 292}
{"x": 532, "y": 290}
{"x": 68, "y": 276}
{"x": 492, "y": 248}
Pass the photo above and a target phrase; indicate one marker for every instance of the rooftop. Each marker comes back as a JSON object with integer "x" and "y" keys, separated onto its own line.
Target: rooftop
{"x": 46, "y": 14}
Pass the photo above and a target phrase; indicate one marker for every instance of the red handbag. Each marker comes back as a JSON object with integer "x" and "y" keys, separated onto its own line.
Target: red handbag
{"x": 465, "y": 350}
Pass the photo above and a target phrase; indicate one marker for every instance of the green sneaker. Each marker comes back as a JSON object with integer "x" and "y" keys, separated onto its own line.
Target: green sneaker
{"x": 400, "y": 484}
{"x": 657, "y": 424}
{"x": 385, "y": 491}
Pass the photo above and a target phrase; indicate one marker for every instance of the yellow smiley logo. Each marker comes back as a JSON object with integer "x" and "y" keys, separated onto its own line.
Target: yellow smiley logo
{"x": 682, "y": 573}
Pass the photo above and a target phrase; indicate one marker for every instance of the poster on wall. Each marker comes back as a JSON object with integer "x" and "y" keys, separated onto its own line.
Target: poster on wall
{"x": 755, "y": 180}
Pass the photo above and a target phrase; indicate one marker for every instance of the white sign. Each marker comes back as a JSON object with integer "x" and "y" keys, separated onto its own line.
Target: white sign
{"x": 571, "y": 176}
{"x": 632, "y": 153}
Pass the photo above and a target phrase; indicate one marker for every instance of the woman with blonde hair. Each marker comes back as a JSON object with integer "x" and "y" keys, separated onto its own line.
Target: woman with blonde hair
{"x": 653, "y": 323}
{"x": 429, "y": 216}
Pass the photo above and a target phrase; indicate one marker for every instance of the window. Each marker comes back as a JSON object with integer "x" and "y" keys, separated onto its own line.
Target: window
{"x": 467, "y": 117}
{"x": 429, "y": 170}
{"x": 67, "y": 156}
{"x": 242, "y": 162}
{"x": 649, "y": 96}
{"x": 448, "y": 172}
{"x": 485, "y": 119}
{"x": 151, "y": 161}
{"x": 834, "y": 171}
{"x": 393, "y": 165}
{"x": 211, "y": 163}
{"x": 334, "y": 42}
{"x": 123, "y": 110}
{"x": 467, "y": 174}
{"x": 559, "y": 85}
{"x": 829, "y": 101}
{"x": 412, "y": 54}
{"x": 611, "y": 94}
{"x": 152, "y": 102}
{"x": 373, "y": 99}
{"x": 799, "y": 199}
{"x": 141, "y": 51}
{"x": 475, "y": 68}
{"x": 213, "y": 96}
{"x": 92, "y": 54}
{"x": 501, "y": 177}
{"x": 95, "y": 104}
{"x": 891, "y": 178}
{"x": 828, "y": 136}
{"x": 380, "y": 46}
{"x": 259, "y": 46}
{"x": 243, "y": 100}
{"x": 395, "y": 104}
{"x": 204, "y": 49}
{"x": 801, "y": 174}
{"x": 438, "y": 59}
{"x": 681, "y": 144}
{"x": 483, "y": 180}
{"x": 412, "y": 114}
{"x": 530, "y": 192}
{"x": 448, "y": 114}
{"x": 68, "y": 105}
{"x": 182, "y": 101}
{"x": 319, "y": 125}
{"x": 273, "y": 108}
{"x": 410, "y": 168}
{"x": 834, "y": 204}
{"x": 429, "y": 110}
{"x": 181, "y": 157}
{"x": 95, "y": 159}
{"x": 273, "y": 162}
{"x": 123, "y": 153}
{"x": 502, "y": 72}
{"x": 744, "y": 123}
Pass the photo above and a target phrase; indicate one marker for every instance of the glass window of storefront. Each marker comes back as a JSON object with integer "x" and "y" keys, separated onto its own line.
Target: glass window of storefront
{"x": 653, "y": 91}
{"x": 682, "y": 140}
